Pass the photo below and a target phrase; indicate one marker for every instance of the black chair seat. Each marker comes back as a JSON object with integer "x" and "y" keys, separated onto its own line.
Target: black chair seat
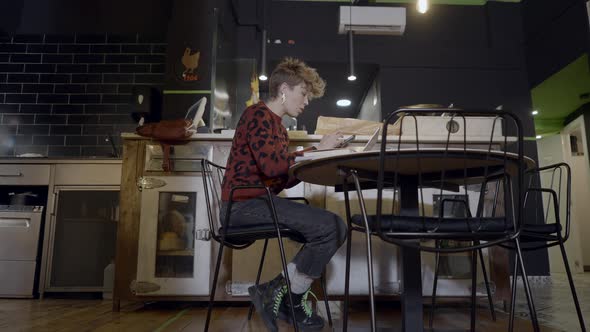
{"x": 242, "y": 235}
{"x": 407, "y": 224}
{"x": 540, "y": 232}
{"x": 544, "y": 229}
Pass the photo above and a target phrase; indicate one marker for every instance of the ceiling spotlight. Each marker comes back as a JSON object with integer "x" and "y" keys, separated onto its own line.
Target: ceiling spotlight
{"x": 535, "y": 112}
{"x": 352, "y": 78}
{"x": 422, "y": 6}
{"x": 343, "y": 102}
{"x": 538, "y": 137}
{"x": 262, "y": 77}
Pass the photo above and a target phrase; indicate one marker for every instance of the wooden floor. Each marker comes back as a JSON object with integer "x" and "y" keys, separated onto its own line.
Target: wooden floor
{"x": 95, "y": 315}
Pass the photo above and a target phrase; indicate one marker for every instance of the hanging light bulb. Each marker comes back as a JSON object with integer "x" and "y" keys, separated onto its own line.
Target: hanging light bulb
{"x": 263, "y": 76}
{"x": 351, "y": 75}
{"x": 422, "y": 6}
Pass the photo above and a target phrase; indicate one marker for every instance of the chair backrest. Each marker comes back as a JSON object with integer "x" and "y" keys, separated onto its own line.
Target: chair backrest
{"x": 212, "y": 175}
{"x": 460, "y": 156}
{"x": 548, "y": 197}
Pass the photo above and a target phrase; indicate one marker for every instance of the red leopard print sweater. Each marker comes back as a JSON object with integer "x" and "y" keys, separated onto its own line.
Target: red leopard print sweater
{"x": 259, "y": 155}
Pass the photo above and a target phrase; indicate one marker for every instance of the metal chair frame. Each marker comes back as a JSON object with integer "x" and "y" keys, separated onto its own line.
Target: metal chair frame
{"x": 509, "y": 233}
{"x": 533, "y": 240}
{"x": 220, "y": 236}
{"x": 473, "y": 269}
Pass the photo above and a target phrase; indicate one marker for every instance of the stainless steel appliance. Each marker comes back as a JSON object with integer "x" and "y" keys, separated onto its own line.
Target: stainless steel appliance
{"x": 19, "y": 241}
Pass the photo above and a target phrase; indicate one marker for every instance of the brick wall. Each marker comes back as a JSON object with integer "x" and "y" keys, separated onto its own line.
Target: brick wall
{"x": 63, "y": 95}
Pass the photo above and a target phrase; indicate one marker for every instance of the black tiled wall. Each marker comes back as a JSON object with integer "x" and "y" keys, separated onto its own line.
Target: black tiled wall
{"x": 64, "y": 95}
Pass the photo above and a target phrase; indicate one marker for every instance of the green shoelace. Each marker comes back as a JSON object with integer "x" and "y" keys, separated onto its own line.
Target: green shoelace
{"x": 278, "y": 299}
{"x": 306, "y": 307}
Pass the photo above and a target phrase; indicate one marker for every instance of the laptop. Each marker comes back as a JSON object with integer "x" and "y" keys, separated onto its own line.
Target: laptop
{"x": 310, "y": 155}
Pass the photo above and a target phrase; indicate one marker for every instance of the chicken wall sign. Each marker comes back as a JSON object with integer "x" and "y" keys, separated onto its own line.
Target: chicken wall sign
{"x": 190, "y": 61}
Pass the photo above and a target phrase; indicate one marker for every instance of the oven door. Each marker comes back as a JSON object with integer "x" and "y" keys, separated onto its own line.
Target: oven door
{"x": 19, "y": 240}
{"x": 19, "y": 234}
{"x": 174, "y": 247}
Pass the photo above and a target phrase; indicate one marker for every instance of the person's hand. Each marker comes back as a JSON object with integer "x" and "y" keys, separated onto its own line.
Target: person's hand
{"x": 330, "y": 141}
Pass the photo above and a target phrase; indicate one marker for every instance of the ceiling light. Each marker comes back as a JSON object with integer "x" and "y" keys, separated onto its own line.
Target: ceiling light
{"x": 538, "y": 137}
{"x": 262, "y": 77}
{"x": 352, "y": 78}
{"x": 343, "y": 102}
{"x": 535, "y": 112}
{"x": 422, "y": 6}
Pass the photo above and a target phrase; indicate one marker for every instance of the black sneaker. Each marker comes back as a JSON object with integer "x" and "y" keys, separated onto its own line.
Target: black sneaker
{"x": 267, "y": 299}
{"x": 306, "y": 319}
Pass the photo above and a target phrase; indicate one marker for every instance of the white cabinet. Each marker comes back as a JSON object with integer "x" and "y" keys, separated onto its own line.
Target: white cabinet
{"x": 174, "y": 254}
{"x": 80, "y": 226}
{"x": 30, "y": 175}
{"x": 88, "y": 174}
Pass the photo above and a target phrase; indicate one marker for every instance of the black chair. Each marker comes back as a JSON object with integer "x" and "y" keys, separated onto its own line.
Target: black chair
{"x": 241, "y": 237}
{"x": 451, "y": 166}
{"x": 438, "y": 244}
{"x": 546, "y": 187}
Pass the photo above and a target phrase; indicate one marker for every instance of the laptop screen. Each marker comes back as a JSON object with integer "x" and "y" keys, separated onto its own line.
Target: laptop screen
{"x": 372, "y": 141}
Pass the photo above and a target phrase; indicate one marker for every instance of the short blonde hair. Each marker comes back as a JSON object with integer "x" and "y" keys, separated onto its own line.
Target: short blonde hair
{"x": 293, "y": 72}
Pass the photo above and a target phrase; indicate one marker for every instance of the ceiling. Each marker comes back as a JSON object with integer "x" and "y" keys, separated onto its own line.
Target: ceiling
{"x": 561, "y": 94}
{"x": 437, "y": 2}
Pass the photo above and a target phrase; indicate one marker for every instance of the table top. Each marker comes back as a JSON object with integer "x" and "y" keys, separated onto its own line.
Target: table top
{"x": 327, "y": 170}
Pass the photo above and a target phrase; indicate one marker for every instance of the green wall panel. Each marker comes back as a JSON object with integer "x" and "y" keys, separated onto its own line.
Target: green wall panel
{"x": 559, "y": 95}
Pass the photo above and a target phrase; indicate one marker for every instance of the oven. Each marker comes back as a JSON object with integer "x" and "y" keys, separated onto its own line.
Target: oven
{"x": 20, "y": 226}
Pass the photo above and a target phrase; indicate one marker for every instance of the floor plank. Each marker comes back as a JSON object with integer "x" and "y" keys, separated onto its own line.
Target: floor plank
{"x": 67, "y": 315}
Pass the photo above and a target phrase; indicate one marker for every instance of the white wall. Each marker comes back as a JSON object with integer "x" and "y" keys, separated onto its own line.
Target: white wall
{"x": 580, "y": 184}
{"x": 555, "y": 149}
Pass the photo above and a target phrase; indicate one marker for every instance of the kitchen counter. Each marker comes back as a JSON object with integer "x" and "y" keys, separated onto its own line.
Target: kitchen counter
{"x": 227, "y": 137}
{"x": 59, "y": 160}
{"x": 299, "y": 136}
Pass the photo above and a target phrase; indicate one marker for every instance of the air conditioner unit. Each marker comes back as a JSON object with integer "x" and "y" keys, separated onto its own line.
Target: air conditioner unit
{"x": 372, "y": 20}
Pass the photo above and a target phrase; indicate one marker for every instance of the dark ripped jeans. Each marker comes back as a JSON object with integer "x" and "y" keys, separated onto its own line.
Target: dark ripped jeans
{"x": 324, "y": 231}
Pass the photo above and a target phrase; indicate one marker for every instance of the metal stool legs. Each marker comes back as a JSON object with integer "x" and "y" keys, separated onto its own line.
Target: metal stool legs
{"x": 487, "y": 283}
{"x": 258, "y": 276}
{"x": 572, "y": 287}
{"x": 435, "y": 283}
{"x": 519, "y": 266}
{"x": 326, "y": 302}
{"x": 473, "y": 287}
{"x": 213, "y": 287}
{"x": 348, "y": 251}
{"x": 347, "y": 273}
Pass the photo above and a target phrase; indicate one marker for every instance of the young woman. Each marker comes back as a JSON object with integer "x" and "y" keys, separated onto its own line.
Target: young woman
{"x": 259, "y": 155}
